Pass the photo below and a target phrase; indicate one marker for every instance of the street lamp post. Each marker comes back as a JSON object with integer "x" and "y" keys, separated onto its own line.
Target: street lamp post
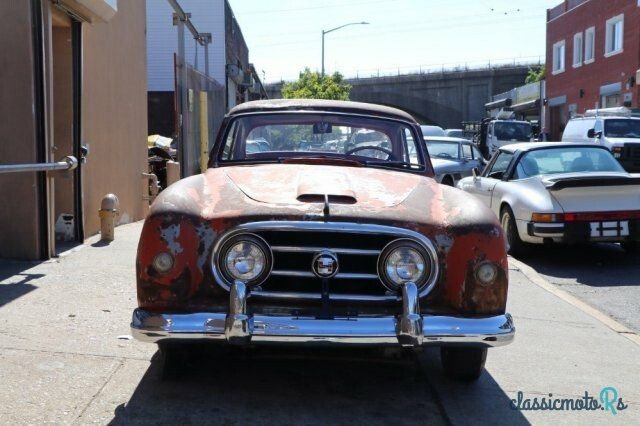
{"x": 335, "y": 29}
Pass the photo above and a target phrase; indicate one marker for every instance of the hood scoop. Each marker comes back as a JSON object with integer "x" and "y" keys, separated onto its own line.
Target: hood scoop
{"x": 333, "y": 188}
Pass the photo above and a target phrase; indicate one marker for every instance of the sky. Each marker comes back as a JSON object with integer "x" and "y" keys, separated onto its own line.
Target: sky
{"x": 403, "y": 36}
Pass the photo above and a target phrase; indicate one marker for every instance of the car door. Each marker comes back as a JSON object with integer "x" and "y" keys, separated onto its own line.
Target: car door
{"x": 484, "y": 185}
{"x": 469, "y": 160}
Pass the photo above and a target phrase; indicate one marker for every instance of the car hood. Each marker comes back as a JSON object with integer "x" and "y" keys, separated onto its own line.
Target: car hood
{"x": 442, "y": 164}
{"x": 295, "y": 184}
{"x": 297, "y": 192}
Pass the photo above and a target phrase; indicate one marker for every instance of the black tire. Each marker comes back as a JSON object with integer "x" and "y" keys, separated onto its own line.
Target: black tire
{"x": 463, "y": 364}
{"x": 175, "y": 358}
{"x": 514, "y": 245}
{"x": 631, "y": 247}
{"x": 447, "y": 181}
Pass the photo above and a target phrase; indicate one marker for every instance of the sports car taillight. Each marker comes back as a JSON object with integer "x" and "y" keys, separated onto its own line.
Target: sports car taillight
{"x": 547, "y": 217}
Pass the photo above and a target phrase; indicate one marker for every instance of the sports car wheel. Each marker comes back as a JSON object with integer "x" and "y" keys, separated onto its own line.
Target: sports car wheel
{"x": 464, "y": 364}
{"x": 513, "y": 243}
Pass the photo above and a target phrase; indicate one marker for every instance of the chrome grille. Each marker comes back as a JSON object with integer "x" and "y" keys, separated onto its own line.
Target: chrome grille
{"x": 294, "y": 245}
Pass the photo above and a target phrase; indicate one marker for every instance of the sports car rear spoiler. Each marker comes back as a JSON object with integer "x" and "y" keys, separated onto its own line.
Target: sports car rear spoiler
{"x": 579, "y": 182}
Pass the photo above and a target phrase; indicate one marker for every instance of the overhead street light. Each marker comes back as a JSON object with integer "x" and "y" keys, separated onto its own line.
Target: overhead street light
{"x": 335, "y": 29}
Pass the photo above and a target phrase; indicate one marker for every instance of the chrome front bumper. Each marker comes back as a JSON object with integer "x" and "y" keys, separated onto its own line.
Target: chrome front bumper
{"x": 407, "y": 329}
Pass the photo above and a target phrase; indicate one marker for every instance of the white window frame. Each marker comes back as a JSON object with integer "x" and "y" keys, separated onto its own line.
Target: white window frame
{"x": 559, "y": 63}
{"x": 589, "y": 51}
{"x": 577, "y": 49}
{"x": 609, "y": 37}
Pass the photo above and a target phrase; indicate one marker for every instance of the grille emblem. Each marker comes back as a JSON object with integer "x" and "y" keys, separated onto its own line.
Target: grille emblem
{"x": 325, "y": 264}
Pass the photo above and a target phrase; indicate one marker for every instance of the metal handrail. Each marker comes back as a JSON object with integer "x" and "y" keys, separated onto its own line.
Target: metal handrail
{"x": 69, "y": 163}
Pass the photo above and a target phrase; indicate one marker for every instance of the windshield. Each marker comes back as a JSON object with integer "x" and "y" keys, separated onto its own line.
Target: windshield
{"x": 622, "y": 128}
{"x": 290, "y": 137}
{"x": 512, "y": 131}
{"x": 448, "y": 150}
{"x": 566, "y": 160}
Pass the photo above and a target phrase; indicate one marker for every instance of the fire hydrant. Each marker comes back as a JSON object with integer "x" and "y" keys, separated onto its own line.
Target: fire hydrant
{"x": 108, "y": 213}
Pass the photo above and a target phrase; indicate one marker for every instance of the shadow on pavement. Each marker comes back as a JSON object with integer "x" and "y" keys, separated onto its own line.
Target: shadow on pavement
{"x": 14, "y": 282}
{"x": 590, "y": 264}
{"x": 301, "y": 386}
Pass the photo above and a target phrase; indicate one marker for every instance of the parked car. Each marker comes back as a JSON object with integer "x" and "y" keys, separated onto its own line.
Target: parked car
{"x": 559, "y": 192}
{"x": 432, "y": 130}
{"x": 453, "y": 158}
{"x": 613, "y": 128}
{"x": 454, "y": 133}
{"x": 322, "y": 247}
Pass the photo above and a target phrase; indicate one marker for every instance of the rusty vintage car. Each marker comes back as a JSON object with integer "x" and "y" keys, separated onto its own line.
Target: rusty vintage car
{"x": 317, "y": 239}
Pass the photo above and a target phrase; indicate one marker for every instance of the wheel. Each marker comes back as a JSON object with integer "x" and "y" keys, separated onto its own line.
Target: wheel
{"x": 175, "y": 358}
{"x": 447, "y": 181}
{"x": 464, "y": 364}
{"x": 631, "y": 247}
{"x": 512, "y": 241}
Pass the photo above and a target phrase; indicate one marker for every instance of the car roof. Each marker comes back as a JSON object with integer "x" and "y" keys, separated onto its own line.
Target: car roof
{"x": 531, "y": 146}
{"x": 445, "y": 139}
{"x": 278, "y": 105}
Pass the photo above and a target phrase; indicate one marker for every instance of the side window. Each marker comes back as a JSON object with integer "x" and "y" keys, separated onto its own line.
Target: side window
{"x": 597, "y": 127}
{"x": 476, "y": 153}
{"x": 490, "y": 129}
{"x": 500, "y": 165}
{"x": 466, "y": 152}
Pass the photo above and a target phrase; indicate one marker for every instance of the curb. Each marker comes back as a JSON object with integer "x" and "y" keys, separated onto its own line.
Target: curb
{"x": 605, "y": 319}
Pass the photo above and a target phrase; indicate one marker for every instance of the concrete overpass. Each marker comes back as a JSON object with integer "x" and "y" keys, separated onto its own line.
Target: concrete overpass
{"x": 444, "y": 98}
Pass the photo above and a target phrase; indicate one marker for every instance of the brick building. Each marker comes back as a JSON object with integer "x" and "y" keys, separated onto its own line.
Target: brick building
{"x": 592, "y": 57}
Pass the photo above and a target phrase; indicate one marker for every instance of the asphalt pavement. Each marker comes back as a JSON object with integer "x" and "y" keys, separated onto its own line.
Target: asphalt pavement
{"x": 66, "y": 357}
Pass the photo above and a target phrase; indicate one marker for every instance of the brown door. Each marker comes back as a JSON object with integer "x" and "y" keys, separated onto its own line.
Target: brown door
{"x": 65, "y": 193}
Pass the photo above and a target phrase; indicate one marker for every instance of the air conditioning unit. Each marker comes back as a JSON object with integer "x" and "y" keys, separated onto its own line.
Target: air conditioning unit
{"x": 247, "y": 80}
{"x": 235, "y": 73}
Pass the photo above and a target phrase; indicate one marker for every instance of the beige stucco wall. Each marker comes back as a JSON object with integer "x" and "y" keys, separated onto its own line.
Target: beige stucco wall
{"x": 114, "y": 112}
{"x": 19, "y": 218}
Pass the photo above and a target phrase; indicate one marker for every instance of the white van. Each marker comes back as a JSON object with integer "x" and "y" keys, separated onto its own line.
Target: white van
{"x": 613, "y": 128}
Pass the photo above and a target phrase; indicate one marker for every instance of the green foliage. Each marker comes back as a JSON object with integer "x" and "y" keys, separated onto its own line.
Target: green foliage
{"x": 535, "y": 74}
{"x": 311, "y": 85}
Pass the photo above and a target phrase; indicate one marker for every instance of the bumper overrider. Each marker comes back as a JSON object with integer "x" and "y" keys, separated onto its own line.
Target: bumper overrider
{"x": 239, "y": 327}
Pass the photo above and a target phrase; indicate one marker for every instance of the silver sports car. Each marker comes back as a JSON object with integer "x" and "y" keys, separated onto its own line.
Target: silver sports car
{"x": 452, "y": 158}
{"x": 559, "y": 192}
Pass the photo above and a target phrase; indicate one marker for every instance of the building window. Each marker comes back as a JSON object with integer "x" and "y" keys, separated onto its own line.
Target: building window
{"x": 558, "y": 57}
{"x": 610, "y": 101}
{"x": 614, "y": 36}
{"x": 589, "y": 45}
{"x": 577, "y": 50}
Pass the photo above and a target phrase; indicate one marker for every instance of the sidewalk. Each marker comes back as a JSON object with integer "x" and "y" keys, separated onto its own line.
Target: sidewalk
{"x": 66, "y": 357}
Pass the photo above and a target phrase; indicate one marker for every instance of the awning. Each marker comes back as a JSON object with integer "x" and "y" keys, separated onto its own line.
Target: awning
{"x": 500, "y": 103}
{"x": 90, "y": 10}
{"x": 523, "y": 106}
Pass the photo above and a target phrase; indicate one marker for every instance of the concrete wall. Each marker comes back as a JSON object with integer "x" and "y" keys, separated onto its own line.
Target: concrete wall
{"x": 445, "y": 99}
{"x": 114, "y": 112}
{"x": 20, "y": 228}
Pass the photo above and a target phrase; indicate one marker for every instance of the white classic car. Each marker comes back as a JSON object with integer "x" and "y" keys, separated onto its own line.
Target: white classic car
{"x": 559, "y": 192}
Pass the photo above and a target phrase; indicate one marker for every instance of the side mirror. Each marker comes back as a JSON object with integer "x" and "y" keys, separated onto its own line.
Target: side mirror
{"x": 593, "y": 134}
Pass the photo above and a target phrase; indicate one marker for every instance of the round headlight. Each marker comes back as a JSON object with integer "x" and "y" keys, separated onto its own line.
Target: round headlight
{"x": 163, "y": 262}
{"x": 487, "y": 273}
{"x": 246, "y": 258}
{"x": 404, "y": 261}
